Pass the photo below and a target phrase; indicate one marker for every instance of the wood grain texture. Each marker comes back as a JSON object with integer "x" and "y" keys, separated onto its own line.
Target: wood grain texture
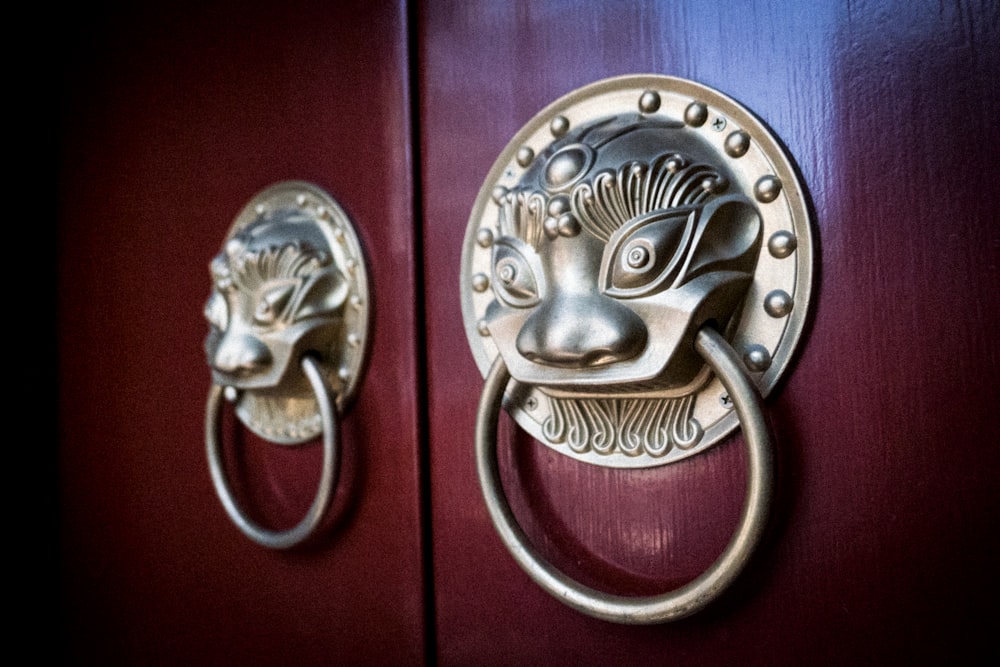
{"x": 174, "y": 116}
{"x": 883, "y": 542}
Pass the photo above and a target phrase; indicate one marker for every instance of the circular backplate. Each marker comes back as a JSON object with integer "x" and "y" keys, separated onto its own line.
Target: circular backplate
{"x": 770, "y": 323}
{"x": 294, "y": 420}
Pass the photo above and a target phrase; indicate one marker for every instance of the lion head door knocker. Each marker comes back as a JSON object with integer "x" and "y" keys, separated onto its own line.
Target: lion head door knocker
{"x": 635, "y": 276}
{"x": 288, "y": 317}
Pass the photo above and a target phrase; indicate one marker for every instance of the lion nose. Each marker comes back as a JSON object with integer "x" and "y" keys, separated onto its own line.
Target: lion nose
{"x": 241, "y": 353}
{"x": 581, "y": 332}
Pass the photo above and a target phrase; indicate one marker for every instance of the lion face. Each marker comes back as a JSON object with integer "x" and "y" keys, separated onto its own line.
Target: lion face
{"x": 273, "y": 300}
{"x": 616, "y": 246}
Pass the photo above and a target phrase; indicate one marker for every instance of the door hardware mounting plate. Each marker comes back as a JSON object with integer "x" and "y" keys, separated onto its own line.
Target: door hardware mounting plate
{"x": 569, "y": 168}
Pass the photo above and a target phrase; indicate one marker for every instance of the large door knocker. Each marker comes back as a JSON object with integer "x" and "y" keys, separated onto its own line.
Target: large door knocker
{"x": 635, "y": 277}
{"x": 288, "y": 317}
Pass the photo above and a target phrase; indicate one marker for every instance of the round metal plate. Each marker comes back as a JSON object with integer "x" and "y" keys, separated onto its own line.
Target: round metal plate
{"x": 768, "y": 326}
{"x": 294, "y": 420}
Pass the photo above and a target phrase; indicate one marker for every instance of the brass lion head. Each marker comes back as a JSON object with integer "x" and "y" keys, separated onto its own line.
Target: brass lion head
{"x": 277, "y": 294}
{"x": 617, "y": 244}
{"x": 615, "y": 247}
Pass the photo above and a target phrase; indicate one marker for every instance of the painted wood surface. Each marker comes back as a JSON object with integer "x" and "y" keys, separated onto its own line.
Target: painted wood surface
{"x": 174, "y": 117}
{"x": 883, "y": 541}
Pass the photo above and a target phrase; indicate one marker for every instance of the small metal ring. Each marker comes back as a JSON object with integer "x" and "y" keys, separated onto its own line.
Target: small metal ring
{"x": 680, "y": 602}
{"x": 277, "y": 539}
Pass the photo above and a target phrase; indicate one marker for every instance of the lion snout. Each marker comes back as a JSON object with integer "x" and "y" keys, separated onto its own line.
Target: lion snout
{"x": 582, "y": 332}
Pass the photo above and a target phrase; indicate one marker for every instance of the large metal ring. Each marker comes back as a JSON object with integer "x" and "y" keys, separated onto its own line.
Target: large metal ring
{"x": 278, "y": 539}
{"x": 682, "y": 601}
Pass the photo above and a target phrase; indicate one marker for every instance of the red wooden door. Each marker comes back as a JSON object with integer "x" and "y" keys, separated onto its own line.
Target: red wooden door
{"x": 883, "y": 541}
{"x": 176, "y": 117}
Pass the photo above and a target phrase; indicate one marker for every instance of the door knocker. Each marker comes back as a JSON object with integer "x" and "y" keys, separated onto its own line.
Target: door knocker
{"x": 288, "y": 322}
{"x": 635, "y": 277}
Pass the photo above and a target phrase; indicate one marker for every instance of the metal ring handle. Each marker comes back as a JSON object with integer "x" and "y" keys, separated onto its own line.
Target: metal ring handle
{"x": 277, "y": 539}
{"x": 682, "y": 601}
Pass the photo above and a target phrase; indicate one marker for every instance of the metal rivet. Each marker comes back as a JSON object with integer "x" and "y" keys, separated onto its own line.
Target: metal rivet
{"x": 778, "y": 303}
{"x": 480, "y": 282}
{"x": 524, "y": 156}
{"x": 300, "y": 200}
{"x": 344, "y": 374}
{"x": 737, "y": 144}
{"x": 757, "y": 358}
{"x": 559, "y": 126}
{"x": 767, "y": 189}
{"x": 499, "y": 193}
{"x": 231, "y": 394}
{"x": 782, "y": 244}
{"x": 356, "y": 301}
{"x": 353, "y": 340}
{"x": 259, "y": 208}
{"x": 696, "y": 114}
{"x": 321, "y": 212}
{"x": 484, "y": 237}
{"x": 649, "y": 102}
{"x": 483, "y": 328}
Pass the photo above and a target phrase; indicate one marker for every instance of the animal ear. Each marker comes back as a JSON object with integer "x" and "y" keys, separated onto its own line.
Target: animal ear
{"x": 322, "y": 294}
{"x": 726, "y": 238}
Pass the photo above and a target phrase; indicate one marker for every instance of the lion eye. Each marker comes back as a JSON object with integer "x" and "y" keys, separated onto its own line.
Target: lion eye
{"x": 514, "y": 278}
{"x": 272, "y": 302}
{"x": 644, "y": 254}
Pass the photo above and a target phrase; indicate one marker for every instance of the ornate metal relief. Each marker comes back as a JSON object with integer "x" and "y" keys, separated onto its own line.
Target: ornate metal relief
{"x": 616, "y": 223}
{"x": 290, "y": 281}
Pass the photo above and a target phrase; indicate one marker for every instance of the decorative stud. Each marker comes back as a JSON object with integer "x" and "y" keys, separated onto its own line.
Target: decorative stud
{"x": 558, "y": 205}
{"x": 696, "y": 114}
{"x": 767, "y": 189}
{"x": 649, "y": 102}
{"x": 757, "y": 358}
{"x": 524, "y": 156}
{"x": 737, "y": 144}
{"x": 568, "y": 225}
{"x": 777, "y": 303}
{"x": 782, "y": 244}
{"x": 559, "y": 126}
{"x": 484, "y": 237}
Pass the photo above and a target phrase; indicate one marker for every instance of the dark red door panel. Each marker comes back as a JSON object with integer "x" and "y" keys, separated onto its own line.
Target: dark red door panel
{"x": 883, "y": 538}
{"x": 176, "y": 117}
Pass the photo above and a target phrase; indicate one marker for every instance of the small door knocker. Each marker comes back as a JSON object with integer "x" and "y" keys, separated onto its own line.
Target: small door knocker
{"x": 288, "y": 317}
{"x": 635, "y": 276}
